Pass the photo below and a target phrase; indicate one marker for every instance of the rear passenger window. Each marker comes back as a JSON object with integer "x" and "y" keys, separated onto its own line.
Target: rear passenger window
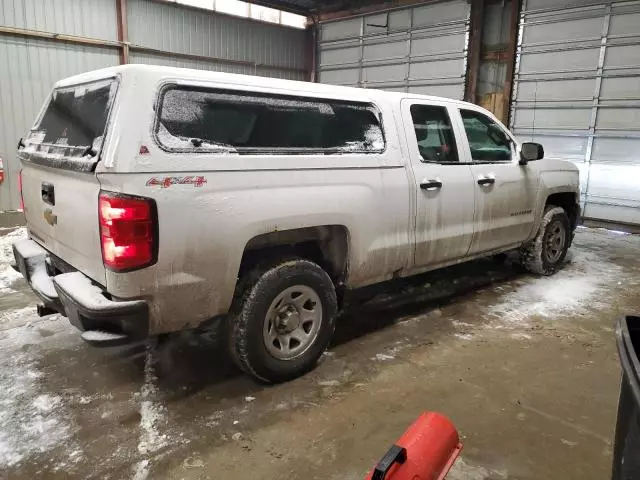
{"x": 436, "y": 141}
{"x": 193, "y": 119}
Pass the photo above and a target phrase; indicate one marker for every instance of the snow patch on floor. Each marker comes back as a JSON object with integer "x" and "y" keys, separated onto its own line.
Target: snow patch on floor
{"x": 520, "y": 336}
{"x": 577, "y": 288}
{"x": 152, "y": 413}
{"x": 30, "y": 422}
{"x": 459, "y": 324}
{"x": 329, "y": 383}
{"x": 382, "y": 357}
{"x": 35, "y": 421}
{"x": 8, "y": 276}
{"x": 48, "y": 333}
{"x": 6, "y": 244}
{"x": 462, "y": 470}
{"x": 17, "y": 318}
{"x": 464, "y": 336}
{"x": 46, "y": 403}
{"x": 141, "y": 470}
{"x": 390, "y": 353}
{"x": 153, "y": 420}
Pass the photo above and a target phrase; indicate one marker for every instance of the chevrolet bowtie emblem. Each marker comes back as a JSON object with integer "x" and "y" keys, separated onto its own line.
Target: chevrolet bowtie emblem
{"x": 50, "y": 217}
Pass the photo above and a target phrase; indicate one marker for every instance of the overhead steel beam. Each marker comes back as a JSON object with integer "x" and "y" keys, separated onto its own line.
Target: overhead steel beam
{"x": 60, "y": 37}
{"x": 227, "y": 61}
{"x": 298, "y": 11}
{"x": 282, "y": 5}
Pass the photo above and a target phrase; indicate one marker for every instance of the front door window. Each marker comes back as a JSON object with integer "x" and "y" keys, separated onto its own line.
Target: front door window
{"x": 487, "y": 140}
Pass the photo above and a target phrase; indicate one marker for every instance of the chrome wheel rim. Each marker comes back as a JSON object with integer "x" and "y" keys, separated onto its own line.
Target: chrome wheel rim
{"x": 292, "y": 322}
{"x": 555, "y": 241}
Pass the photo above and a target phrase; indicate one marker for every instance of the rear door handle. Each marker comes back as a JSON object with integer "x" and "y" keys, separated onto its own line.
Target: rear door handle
{"x": 48, "y": 193}
{"x": 486, "y": 181}
{"x": 431, "y": 184}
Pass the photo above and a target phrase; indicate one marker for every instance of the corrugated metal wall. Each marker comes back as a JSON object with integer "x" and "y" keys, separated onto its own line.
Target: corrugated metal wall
{"x": 577, "y": 91}
{"x": 29, "y": 66}
{"x": 420, "y": 49}
{"x": 172, "y": 28}
{"x": 87, "y": 18}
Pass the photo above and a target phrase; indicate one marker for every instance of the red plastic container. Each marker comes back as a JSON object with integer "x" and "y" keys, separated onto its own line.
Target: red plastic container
{"x": 425, "y": 451}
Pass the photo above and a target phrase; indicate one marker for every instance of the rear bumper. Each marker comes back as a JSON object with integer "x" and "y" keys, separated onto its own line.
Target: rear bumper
{"x": 104, "y": 321}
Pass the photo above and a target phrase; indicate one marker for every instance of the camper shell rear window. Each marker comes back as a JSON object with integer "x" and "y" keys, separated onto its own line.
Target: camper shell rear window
{"x": 70, "y": 132}
{"x": 197, "y": 119}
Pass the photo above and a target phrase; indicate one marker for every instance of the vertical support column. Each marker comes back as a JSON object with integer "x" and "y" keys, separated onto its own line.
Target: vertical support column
{"x": 123, "y": 30}
{"x": 361, "y": 79}
{"x": 474, "y": 49}
{"x": 311, "y": 54}
{"x": 514, "y": 79}
{"x": 596, "y": 100}
{"x": 514, "y": 41}
{"x": 407, "y": 74}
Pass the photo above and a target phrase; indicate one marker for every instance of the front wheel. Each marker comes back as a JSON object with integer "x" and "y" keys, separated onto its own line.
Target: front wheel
{"x": 545, "y": 253}
{"x": 283, "y": 320}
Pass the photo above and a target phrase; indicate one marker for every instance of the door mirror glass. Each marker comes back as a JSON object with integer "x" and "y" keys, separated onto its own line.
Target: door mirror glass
{"x": 531, "y": 151}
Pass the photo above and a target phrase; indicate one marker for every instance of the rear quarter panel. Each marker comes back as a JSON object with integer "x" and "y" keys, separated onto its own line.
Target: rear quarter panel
{"x": 204, "y": 228}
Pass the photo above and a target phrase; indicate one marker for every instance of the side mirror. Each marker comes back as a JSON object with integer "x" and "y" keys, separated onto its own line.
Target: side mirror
{"x": 530, "y": 151}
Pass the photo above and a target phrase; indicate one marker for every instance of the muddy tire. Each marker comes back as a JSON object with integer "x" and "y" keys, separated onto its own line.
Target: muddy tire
{"x": 545, "y": 253}
{"x": 283, "y": 319}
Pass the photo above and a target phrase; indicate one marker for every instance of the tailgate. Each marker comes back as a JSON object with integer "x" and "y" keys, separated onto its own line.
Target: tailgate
{"x": 61, "y": 208}
{"x": 59, "y": 186}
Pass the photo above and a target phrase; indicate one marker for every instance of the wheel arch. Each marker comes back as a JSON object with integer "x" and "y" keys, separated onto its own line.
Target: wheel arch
{"x": 326, "y": 245}
{"x": 569, "y": 202}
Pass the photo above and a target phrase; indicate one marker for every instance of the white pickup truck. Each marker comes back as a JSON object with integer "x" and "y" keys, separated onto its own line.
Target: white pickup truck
{"x": 158, "y": 199}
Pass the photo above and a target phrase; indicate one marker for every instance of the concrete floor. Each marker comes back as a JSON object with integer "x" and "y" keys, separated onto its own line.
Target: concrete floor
{"x": 526, "y": 368}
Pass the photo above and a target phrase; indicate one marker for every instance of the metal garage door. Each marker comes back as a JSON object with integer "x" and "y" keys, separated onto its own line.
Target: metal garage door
{"x": 421, "y": 49}
{"x": 577, "y": 91}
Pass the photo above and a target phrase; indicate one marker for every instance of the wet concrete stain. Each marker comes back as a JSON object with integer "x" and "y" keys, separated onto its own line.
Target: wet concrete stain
{"x": 534, "y": 396}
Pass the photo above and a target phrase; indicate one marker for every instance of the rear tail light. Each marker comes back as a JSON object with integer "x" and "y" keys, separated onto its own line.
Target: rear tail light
{"x": 128, "y": 231}
{"x": 20, "y": 190}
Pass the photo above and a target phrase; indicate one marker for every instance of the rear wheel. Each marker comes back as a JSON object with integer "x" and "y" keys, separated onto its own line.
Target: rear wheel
{"x": 546, "y": 252}
{"x": 283, "y": 320}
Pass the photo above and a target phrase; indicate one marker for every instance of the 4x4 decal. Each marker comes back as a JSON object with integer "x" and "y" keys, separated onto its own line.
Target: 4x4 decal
{"x": 167, "y": 182}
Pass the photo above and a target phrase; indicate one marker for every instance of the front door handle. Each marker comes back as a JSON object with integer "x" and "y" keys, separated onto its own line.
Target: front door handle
{"x": 430, "y": 184}
{"x": 486, "y": 181}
